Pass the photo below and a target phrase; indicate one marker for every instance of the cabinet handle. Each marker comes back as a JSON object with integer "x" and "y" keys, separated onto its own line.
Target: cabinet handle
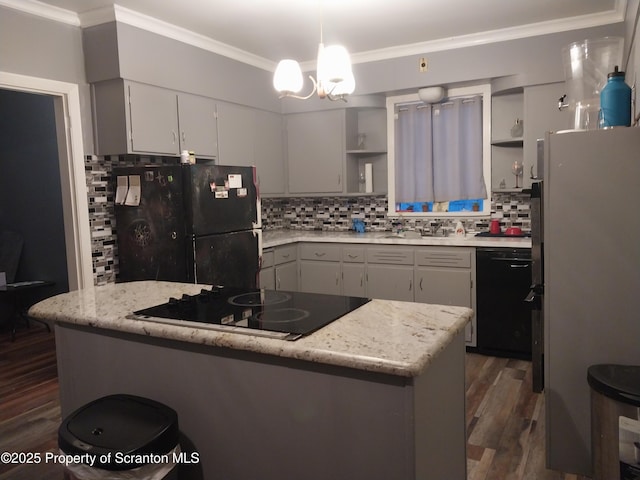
{"x": 184, "y": 137}
{"x": 285, "y": 255}
{"x": 339, "y": 180}
{"x": 352, "y": 256}
{"x": 337, "y": 280}
{"x": 278, "y": 282}
{"x": 421, "y": 283}
{"x": 361, "y": 280}
{"x": 175, "y": 137}
{"x": 320, "y": 254}
{"x": 410, "y": 285}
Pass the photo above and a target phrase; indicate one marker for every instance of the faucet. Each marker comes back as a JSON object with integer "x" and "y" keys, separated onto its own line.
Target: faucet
{"x": 397, "y": 226}
{"x": 434, "y": 227}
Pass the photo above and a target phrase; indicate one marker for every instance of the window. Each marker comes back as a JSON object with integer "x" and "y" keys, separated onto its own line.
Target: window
{"x": 440, "y": 155}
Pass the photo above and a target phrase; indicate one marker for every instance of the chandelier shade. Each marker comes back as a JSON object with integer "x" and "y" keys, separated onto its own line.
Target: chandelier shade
{"x": 288, "y": 77}
{"x": 334, "y": 75}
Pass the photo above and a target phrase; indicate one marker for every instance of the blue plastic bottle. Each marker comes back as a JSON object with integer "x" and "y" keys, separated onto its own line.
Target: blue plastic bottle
{"x": 615, "y": 101}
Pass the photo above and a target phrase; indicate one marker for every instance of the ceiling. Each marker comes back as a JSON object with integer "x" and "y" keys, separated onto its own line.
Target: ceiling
{"x": 264, "y": 31}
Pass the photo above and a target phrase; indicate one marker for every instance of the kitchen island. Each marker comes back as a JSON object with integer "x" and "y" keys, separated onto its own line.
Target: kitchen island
{"x": 377, "y": 394}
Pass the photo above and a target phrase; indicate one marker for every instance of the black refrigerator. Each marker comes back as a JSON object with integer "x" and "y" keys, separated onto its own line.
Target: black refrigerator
{"x": 188, "y": 223}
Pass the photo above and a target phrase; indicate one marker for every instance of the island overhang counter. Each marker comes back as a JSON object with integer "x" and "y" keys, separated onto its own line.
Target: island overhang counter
{"x": 376, "y": 394}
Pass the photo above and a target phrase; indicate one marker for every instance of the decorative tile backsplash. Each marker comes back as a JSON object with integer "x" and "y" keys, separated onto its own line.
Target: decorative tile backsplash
{"x": 336, "y": 214}
{"x": 298, "y": 213}
{"x": 102, "y": 222}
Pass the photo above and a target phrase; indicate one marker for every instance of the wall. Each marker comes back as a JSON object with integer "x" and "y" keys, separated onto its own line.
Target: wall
{"x": 32, "y": 46}
{"x": 30, "y": 185}
{"x": 508, "y": 64}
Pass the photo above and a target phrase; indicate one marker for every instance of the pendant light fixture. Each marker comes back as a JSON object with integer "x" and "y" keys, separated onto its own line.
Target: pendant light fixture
{"x": 334, "y": 75}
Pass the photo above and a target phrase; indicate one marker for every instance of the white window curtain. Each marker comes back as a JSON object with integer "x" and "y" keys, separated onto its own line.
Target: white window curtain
{"x": 438, "y": 155}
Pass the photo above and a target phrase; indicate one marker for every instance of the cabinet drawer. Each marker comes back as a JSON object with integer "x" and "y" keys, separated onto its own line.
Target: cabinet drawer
{"x": 353, "y": 255}
{"x": 285, "y": 254}
{"x": 444, "y": 257}
{"x": 318, "y": 251}
{"x": 395, "y": 256}
{"x": 267, "y": 258}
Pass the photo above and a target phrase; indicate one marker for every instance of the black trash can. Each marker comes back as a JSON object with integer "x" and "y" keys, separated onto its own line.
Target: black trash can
{"x": 615, "y": 421}
{"x": 120, "y": 437}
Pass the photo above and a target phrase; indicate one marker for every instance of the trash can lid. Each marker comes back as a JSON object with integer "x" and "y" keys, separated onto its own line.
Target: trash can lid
{"x": 122, "y": 423}
{"x": 620, "y": 382}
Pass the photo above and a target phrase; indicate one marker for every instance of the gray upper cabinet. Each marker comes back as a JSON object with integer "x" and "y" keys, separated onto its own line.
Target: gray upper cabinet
{"x": 236, "y": 129}
{"x": 269, "y": 152}
{"x": 315, "y": 142}
{"x": 253, "y": 137}
{"x": 138, "y": 118}
{"x": 153, "y": 124}
{"x": 198, "y": 124}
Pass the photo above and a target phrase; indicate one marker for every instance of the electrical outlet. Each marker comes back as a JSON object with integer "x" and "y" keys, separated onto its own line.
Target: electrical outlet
{"x": 422, "y": 65}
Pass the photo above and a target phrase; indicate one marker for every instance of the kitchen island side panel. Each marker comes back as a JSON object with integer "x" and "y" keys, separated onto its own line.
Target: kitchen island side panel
{"x": 258, "y": 416}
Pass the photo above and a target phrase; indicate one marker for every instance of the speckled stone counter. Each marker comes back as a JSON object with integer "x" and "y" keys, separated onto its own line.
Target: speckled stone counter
{"x": 274, "y": 238}
{"x": 397, "y": 338}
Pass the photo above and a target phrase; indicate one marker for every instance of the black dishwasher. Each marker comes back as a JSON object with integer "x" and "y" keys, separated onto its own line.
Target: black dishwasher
{"x": 503, "y": 277}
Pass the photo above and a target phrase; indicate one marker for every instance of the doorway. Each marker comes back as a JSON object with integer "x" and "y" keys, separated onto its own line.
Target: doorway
{"x": 75, "y": 214}
{"x": 30, "y": 192}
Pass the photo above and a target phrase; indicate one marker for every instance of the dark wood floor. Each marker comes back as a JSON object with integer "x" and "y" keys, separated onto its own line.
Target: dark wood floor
{"x": 505, "y": 419}
{"x": 505, "y": 422}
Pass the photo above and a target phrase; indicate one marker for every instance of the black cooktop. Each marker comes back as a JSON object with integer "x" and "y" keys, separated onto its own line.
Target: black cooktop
{"x": 274, "y": 313}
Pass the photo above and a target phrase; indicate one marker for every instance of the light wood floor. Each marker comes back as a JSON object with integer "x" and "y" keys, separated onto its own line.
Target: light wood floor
{"x": 505, "y": 419}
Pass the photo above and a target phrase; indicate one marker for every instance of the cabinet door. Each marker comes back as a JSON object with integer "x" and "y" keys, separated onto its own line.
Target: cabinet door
{"x": 197, "y": 121}
{"x": 269, "y": 152}
{"x": 154, "y": 120}
{"x": 287, "y": 276}
{"x": 353, "y": 283}
{"x": 443, "y": 286}
{"x": 315, "y": 144}
{"x": 236, "y": 132}
{"x": 320, "y": 277}
{"x": 390, "y": 282}
{"x": 268, "y": 278}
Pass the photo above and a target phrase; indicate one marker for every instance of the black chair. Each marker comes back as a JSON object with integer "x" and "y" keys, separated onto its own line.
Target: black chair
{"x": 10, "y": 251}
{"x": 12, "y": 302}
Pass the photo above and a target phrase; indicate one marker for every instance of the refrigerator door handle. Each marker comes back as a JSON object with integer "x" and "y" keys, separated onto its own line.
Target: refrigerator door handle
{"x": 535, "y": 292}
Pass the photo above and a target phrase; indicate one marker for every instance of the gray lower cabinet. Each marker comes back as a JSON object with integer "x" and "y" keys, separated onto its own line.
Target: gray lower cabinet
{"x": 438, "y": 275}
{"x": 353, "y": 271}
{"x": 133, "y": 117}
{"x": 320, "y": 269}
{"x": 267, "y": 270}
{"x": 286, "y": 267}
{"x": 390, "y": 273}
{"x": 445, "y": 276}
{"x": 390, "y": 282}
{"x": 279, "y": 269}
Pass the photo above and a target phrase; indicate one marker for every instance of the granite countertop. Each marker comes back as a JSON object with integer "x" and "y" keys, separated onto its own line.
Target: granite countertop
{"x": 274, "y": 238}
{"x": 390, "y": 337}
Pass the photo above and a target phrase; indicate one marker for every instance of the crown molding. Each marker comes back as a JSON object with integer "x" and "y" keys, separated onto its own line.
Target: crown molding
{"x": 496, "y": 36}
{"x": 43, "y": 10}
{"x": 135, "y": 19}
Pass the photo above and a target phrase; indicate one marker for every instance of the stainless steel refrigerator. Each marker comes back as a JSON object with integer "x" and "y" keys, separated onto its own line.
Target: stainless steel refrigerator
{"x": 591, "y": 264}
{"x": 188, "y": 223}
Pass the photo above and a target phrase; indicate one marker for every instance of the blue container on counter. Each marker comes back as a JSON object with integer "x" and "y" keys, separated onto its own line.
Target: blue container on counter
{"x": 615, "y": 101}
